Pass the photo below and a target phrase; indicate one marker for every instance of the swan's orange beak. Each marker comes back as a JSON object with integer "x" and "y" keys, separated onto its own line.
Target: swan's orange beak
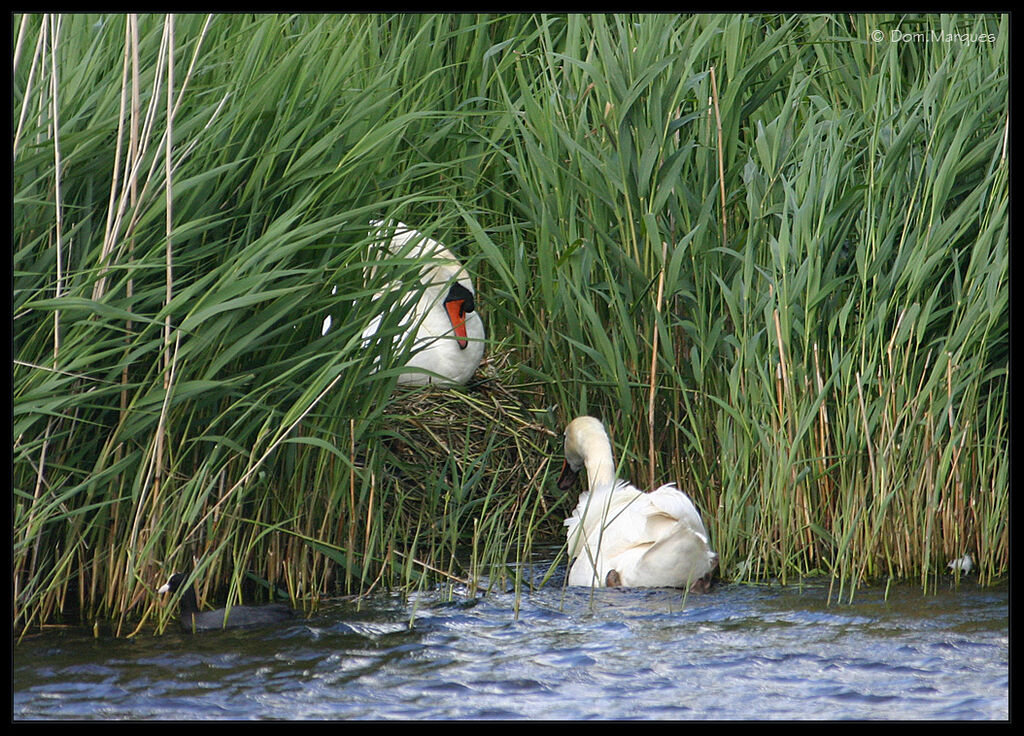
{"x": 457, "y": 315}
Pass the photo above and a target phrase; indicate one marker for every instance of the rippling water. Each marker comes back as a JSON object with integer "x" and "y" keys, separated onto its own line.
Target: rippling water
{"x": 740, "y": 652}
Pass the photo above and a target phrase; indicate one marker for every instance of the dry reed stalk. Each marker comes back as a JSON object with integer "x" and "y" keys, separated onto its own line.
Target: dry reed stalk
{"x": 52, "y": 30}
{"x": 132, "y": 31}
{"x": 36, "y": 56}
{"x": 1006, "y": 139}
{"x": 17, "y": 51}
{"x": 721, "y": 152}
{"x": 148, "y": 121}
{"x": 351, "y": 499}
{"x": 369, "y": 511}
{"x": 58, "y": 166}
{"x": 825, "y": 482}
{"x": 100, "y": 286}
{"x": 654, "y": 366}
{"x": 169, "y": 357}
{"x": 786, "y": 391}
{"x": 867, "y": 428}
{"x": 169, "y": 198}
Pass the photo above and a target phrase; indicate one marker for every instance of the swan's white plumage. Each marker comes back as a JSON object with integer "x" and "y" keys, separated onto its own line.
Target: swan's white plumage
{"x": 437, "y": 347}
{"x": 654, "y": 539}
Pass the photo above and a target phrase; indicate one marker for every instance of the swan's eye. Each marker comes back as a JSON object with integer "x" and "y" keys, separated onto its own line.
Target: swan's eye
{"x": 459, "y": 293}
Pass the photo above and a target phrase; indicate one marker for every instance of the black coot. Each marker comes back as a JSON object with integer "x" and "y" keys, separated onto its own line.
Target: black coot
{"x": 192, "y": 619}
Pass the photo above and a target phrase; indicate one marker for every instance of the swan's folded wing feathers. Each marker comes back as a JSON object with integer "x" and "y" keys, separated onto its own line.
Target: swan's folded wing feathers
{"x": 673, "y": 502}
{"x": 613, "y": 523}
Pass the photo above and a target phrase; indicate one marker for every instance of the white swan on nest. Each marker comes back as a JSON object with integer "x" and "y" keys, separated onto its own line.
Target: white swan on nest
{"x": 449, "y": 338}
{"x": 620, "y": 536}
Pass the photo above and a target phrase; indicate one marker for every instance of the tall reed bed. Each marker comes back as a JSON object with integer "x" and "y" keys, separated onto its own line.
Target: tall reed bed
{"x": 771, "y": 253}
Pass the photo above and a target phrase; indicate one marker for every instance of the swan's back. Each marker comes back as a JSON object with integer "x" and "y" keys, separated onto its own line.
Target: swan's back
{"x": 654, "y": 539}
{"x": 671, "y": 504}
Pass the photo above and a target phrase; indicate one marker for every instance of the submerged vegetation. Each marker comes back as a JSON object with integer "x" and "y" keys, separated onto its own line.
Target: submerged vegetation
{"x": 770, "y": 252}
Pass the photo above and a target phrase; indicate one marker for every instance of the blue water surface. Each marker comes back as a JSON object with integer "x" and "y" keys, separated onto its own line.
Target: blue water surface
{"x": 739, "y": 652}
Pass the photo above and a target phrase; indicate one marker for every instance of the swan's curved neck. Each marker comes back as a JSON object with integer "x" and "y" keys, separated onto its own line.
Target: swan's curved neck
{"x": 600, "y": 465}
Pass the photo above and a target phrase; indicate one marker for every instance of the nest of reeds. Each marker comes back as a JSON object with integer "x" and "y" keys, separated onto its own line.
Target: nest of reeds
{"x": 490, "y": 438}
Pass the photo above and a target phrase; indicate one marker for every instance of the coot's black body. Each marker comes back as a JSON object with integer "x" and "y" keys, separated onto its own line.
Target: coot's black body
{"x": 192, "y": 619}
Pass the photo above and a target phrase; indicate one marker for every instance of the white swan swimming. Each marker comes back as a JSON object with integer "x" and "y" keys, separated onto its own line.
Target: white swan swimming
{"x": 620, "y": 536}
{"x": 449, "y": 340}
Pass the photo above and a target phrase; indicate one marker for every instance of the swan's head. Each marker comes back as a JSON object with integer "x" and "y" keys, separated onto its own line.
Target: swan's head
{"x": 585, "y": 438}
{"x": 441, "y": 270}
{"x": 458, "y": 304}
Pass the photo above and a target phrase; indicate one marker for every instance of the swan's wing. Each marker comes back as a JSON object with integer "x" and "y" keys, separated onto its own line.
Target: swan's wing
{"x": 673, "y": 503}
{"x": 612, "y": 521}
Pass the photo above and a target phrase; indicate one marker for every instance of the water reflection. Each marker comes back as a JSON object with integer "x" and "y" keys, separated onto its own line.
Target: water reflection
{"x": 740, "y": 652}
